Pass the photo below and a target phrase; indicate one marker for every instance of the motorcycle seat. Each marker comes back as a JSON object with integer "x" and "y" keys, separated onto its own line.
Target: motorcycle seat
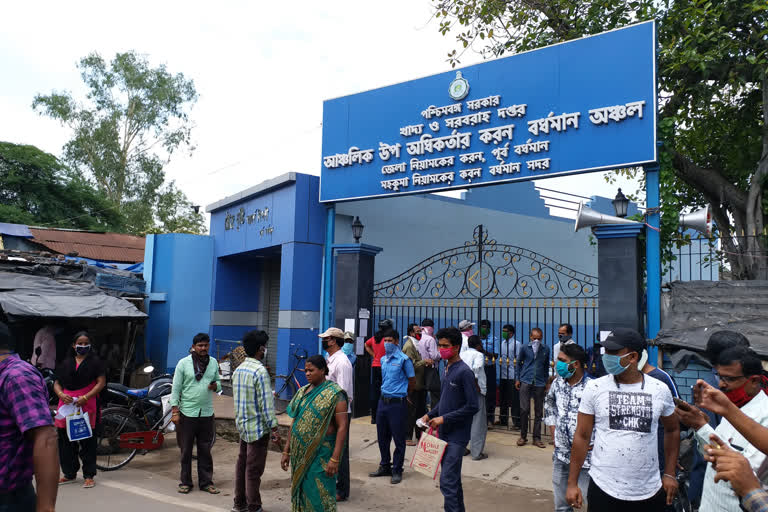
{"x": 137, "y": 393}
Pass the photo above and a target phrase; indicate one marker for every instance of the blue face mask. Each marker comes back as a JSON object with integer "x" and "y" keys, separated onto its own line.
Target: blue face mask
{"x": 612, "y": 364}
{"x": 390, "y": 348}
{"x": 563, "y": 371}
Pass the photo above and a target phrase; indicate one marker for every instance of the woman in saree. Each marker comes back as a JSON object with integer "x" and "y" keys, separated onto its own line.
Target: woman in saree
{"x": 315, "y": 440}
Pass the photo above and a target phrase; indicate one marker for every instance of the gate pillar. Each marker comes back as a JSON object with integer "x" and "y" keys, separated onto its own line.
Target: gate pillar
{"x": 353, "y": 291}
{"x": 620, "y": 273}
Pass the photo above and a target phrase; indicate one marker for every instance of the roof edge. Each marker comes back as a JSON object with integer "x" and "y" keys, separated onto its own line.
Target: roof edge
{"x": 263, "y": 187}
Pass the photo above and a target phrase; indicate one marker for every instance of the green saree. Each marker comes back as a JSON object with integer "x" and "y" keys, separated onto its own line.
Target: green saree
{"x": 312, "y": 411}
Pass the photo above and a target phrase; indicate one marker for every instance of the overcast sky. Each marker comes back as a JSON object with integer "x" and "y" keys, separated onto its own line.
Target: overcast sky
{"x": 262, "y": 70}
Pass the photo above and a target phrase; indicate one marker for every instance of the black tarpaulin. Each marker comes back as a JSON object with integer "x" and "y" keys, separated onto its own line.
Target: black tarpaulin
{"x": 26, "y": 295}
{"x": 694, "y": 310}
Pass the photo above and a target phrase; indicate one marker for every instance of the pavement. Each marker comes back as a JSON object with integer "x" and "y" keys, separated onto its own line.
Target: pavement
{"x": 517, "y": 478}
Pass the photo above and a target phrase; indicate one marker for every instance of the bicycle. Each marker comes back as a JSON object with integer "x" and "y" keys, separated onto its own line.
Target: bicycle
{"x": 290, "y": 382}
{"x": 120, "y": 434}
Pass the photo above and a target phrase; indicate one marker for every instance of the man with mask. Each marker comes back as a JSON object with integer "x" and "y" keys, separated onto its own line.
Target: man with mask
{"x": 475, "y": 359}
{"x": 255, "y": 420}
{"x": 375, "y": 348}
{"x": 623, "y": 408}
{"x": 491, "y": 348}
{"x": 340, "y": 371}
{"x": 453, "y": 417}
{"x": 562, "y": 406}
{"x": 510, "y": 396}
{"x": 398, "y": 378}
{"x": 467, "y": 329}
{"x": 431, "y": 357}
{"x": 194, "y": 381}
{"x": 564, "y": 337}
{"x": 532, "y": 373}
{"x": 740, "y": 372}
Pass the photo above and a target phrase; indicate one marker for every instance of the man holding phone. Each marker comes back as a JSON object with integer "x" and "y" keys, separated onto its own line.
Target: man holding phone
{"x": 740, "y": 373}
{"x": 195, "y": 379}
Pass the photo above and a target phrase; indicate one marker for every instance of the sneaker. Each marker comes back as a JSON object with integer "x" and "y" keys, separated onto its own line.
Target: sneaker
{"x": 397, "y": 478}
{"x": 64, "y": 480}
{"x": 382, "y": 471}
{"x": 482, "y": 456}
{"x": 88, "y": 483}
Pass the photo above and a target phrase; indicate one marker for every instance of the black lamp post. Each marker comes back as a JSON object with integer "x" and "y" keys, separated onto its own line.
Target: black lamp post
{"x": 357, "y": 229}
{"x": 620, "y": 204}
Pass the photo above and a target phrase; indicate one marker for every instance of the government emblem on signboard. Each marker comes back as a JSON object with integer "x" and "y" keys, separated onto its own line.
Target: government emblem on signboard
{"x": 459, "y": 87}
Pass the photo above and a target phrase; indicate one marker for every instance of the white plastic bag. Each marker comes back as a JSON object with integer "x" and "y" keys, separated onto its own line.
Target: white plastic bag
{"x": 166, "y": 401}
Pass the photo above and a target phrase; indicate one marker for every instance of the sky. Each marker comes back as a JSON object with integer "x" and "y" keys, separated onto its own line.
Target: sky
{"x": 262, "y": 70}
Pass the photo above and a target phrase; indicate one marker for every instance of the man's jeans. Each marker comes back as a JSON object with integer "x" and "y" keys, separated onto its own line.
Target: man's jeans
{"x": 22, "y": 499}
{"x": 560, "y": 484}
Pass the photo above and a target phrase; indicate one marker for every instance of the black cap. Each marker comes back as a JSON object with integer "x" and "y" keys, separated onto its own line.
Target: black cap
{"x": 386, "y": 323}
{"x": 625, "y": 338}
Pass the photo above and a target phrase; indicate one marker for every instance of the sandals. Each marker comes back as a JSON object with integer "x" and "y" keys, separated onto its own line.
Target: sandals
{"x": 185, "y": 489}
{"x": 211, "y": 489}
{"x": 89, "y": 483}
{"x": 64, "y": 480}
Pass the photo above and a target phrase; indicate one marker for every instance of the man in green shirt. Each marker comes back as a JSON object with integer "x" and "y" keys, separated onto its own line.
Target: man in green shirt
{"x": 194, "y": 381}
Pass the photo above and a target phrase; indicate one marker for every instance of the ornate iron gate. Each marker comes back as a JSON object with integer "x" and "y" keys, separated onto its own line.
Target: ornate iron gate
{"x": 486, "y": 280}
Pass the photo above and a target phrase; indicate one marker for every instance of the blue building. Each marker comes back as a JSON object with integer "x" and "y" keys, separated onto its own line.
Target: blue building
{"x": 261, "y": 265}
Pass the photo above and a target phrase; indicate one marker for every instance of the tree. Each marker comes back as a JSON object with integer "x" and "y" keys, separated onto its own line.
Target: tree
{"x": 37, "y": 189}
{"x": 126, "y": 130}
{"x": 713, "y": 110}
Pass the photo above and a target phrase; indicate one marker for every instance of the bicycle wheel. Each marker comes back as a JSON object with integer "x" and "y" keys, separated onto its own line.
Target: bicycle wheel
{"x": 114, "y": 422}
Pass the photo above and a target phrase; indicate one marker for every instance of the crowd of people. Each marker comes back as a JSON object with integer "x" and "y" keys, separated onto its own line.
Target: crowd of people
{"x": 616, "y": 427}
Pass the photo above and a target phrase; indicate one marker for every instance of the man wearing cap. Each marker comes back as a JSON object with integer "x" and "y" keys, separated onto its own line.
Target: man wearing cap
{"x": 624, "y": 408}
{"x": 375, "y": 348}
{"x": 340, "y": 371}
{"x": 466, "y": 329}
{"x": 349, "y": 348}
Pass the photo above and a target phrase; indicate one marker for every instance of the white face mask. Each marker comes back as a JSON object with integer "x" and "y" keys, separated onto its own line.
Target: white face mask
{"x": 265, "y": 352}
{"x": 643, "y": 360}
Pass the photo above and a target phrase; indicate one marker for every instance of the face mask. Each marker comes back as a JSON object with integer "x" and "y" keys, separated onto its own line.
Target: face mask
{"x": 82, "y": 349}
{"x": 418, "y": 337}
{"x": 563, "y": 371}
{"x": 563, "y": 337}
{"x": 612, "y": 364}
{"x": 643, "y": 360}
{"x": 535, "y": 343}
{"x": 265, "y": 353}
{"x": 469, "y": 333}
{"x": 738, "y": 396}
{"x": 390, "y": 348}
{"x": 325, "y": 345}
{"x": 446, "y": 353}
{"x": 484, "y": 331}
{"x": 505, "y": 335}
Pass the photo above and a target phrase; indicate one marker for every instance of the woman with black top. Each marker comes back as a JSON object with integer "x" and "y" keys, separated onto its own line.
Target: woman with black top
{"x": 80, "y": 377}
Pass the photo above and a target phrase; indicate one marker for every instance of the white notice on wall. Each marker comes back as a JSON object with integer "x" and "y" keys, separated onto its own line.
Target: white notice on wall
{"x": 349, "y": 325}
{"x": 360, "y": 346}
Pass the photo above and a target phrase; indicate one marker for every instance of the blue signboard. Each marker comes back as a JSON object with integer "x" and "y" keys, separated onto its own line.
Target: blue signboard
{"x": 581, "y": 106}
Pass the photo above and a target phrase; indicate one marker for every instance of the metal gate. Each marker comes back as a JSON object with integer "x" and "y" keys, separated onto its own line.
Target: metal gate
{"x": 502, "y": 283}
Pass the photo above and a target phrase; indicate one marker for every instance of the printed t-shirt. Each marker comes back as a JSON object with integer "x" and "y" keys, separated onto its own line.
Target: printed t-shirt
{"x": 625, "y": 462}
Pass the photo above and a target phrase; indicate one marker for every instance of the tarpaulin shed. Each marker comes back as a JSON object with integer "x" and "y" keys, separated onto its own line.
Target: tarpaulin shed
{"x": 37, "y": 296}
{"x": 693, "y": 310}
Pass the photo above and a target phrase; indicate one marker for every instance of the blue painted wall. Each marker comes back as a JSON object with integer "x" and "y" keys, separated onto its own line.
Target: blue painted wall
{"x": 181, "y": 269}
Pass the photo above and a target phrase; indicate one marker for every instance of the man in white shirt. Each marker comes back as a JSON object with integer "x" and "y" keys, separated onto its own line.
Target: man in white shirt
{"x": 564, "y": 337}
{"x": 624, "y": 408}
{"x": 475, "y": 359}
{"x": 740, "y": 374}
{"x": 466, "y": 329}
{"x": 340, "y": 371}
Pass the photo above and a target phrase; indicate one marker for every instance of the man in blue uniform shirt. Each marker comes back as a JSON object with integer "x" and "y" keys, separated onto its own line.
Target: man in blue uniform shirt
{"x": 397, "y": 380}
{"x": 453, "y": 416}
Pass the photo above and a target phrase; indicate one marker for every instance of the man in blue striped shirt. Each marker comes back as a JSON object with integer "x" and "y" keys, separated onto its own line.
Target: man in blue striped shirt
{"x": 255, "y": 418}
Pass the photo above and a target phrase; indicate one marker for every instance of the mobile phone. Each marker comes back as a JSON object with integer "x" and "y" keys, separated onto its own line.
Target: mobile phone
{"x": 681, "y": 404}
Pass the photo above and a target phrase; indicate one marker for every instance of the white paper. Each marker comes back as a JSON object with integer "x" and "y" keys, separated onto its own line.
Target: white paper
{"x": 421, "y": 424}
{"x": 65, "y": 410}
{"x": 349, "y": 325}
{"x": 360, "y": 346}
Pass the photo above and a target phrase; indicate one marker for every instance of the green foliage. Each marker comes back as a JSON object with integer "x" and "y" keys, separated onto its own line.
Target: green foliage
{"x": 37, "y": 189}
{"x": 713, "y": 87}
{"x": 125, "y": 131}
